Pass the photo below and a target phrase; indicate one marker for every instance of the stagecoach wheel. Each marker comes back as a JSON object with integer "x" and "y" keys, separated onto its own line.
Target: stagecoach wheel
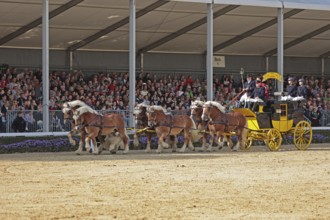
{"x": 302, "y": 135}
{"x": 274, "y": 139}
{"x": 248, "y": 143}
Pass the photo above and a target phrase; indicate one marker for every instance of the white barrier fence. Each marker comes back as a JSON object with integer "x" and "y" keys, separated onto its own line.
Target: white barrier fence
{"x": 34, "y": 123}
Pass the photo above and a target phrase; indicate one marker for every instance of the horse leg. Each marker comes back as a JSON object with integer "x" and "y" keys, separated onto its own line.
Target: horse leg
{"x": 210, "y": 147}
{"x": 241, "y": 136}
{"x": 70, "y": 136}
{"x": 172, "y": 139}
{"x": 91, "y": 142}
{"x": 112, "y": 142}
{"x": 204, "y": 142}
{"x": 191, "y": 145}
{"x": 136, "y": 140}
{"x": 87, "y": 143}
{"x": 190, "y": 142}
{"x": 148, "y": 148}
{"x": 229, "y": 142}
{"x": 81, "y": 143}
{"x": 124, "y": 137}
{"x": 239, "y": 140}
{"x": 102, "y": 143}
{"x": 96, "y": 149}
{"x": 220, "y": 142}
{"x": 161, "y": 143}
{"x": 164, "y": 144}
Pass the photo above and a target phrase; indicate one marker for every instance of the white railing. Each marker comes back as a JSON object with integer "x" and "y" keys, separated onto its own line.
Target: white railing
{"x": 34, "y": 123}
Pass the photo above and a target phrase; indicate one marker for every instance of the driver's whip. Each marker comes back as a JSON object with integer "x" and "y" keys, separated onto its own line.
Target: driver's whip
{"x": 242, "y": 73}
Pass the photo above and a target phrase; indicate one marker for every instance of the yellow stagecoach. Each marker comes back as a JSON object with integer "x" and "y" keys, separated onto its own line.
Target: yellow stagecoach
{"x": 275, "y": 119}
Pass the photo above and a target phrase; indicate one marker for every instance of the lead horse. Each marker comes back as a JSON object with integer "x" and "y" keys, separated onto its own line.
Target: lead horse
{"x": 166, "y": 124}
{"x": 222, "y": 123}
{"x": 110, "y": 142}
{"x": 96, "y": 125}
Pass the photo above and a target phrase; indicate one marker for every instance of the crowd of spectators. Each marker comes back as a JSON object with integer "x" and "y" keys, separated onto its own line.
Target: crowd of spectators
{"x": 22, "y": 91}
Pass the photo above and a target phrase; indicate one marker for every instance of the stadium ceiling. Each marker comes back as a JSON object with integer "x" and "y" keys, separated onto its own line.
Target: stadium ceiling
{"x": 243, "y": 27}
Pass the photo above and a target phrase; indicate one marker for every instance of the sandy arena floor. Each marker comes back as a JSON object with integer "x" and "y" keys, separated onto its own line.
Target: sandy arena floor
{"x": 257, "y": 184}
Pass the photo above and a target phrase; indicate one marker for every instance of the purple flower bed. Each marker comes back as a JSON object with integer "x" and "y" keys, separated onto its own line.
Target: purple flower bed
{"x": 38, "y": 145}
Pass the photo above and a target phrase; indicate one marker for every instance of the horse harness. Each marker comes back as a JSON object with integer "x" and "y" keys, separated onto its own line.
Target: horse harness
{"x": 99, "y": 123}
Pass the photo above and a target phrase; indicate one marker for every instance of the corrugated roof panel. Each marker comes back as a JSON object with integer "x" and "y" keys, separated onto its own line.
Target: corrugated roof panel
{"x": 308, "y": 4}
{"x": 195, "y": 1}
{"x": 298, "y": 4}
{"x": 262, "y": 3}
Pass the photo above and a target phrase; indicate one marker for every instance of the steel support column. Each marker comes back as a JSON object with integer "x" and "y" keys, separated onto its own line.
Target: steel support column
{"x": 132, "y": 39}
{"x": 209, "y": 56}
{"x": 280, "y": 47}
{"x": 45, "y": 65}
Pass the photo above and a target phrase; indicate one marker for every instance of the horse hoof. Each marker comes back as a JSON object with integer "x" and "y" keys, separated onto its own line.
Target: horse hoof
{"x": 220, "y": 148}
{"x": 78, "y": 152}
{"x": 147, "y": 151}
{"x": 113, "y": 152}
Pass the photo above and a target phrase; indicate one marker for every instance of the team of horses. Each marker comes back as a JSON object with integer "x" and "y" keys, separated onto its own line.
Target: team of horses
{"x": 207, "y": 121}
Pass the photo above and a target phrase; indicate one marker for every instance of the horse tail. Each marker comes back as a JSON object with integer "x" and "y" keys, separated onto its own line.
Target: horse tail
{"x": 194, "y": 132}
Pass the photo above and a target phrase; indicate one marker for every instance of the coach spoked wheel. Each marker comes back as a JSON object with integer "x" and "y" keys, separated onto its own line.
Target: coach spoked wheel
{"x": 302, "y": 135}
{"x": 248, "y": 142}
{"x": 274, "y": 139}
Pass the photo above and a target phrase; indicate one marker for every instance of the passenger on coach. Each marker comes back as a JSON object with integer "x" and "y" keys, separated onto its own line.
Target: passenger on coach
{"x": 302, "y": 89}
{"x": 259, "y": 91}
{"x": 291, "y": 89}
{"x": 249, "y": 85}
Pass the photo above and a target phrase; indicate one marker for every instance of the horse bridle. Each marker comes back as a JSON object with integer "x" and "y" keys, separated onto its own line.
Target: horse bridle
{"x": 200, "y": 121}
{"x": 152, "y": 114}
{"x": 69, "y": 116}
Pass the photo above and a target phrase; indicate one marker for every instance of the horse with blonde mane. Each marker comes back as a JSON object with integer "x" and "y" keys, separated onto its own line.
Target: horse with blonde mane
{"x": 96, "y": 125}
{"x": 222, "y": 123}
{"x": 68, "y": 110}
{"x": 196, "y": 113}
{"x": 196, "y": 109}
{"x": 167, "y": 124}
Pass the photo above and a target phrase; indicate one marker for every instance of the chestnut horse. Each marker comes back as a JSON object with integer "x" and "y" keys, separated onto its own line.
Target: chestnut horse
{"x": 196, "y": 109}
{"x": 141, "y": 122}
{"x": 167, "y": 124}
{"x": 96, "y": 124}
{"x": 111, "y": 142}
{"x": 222, "y": 123}
{"x": 196, "y": 113}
